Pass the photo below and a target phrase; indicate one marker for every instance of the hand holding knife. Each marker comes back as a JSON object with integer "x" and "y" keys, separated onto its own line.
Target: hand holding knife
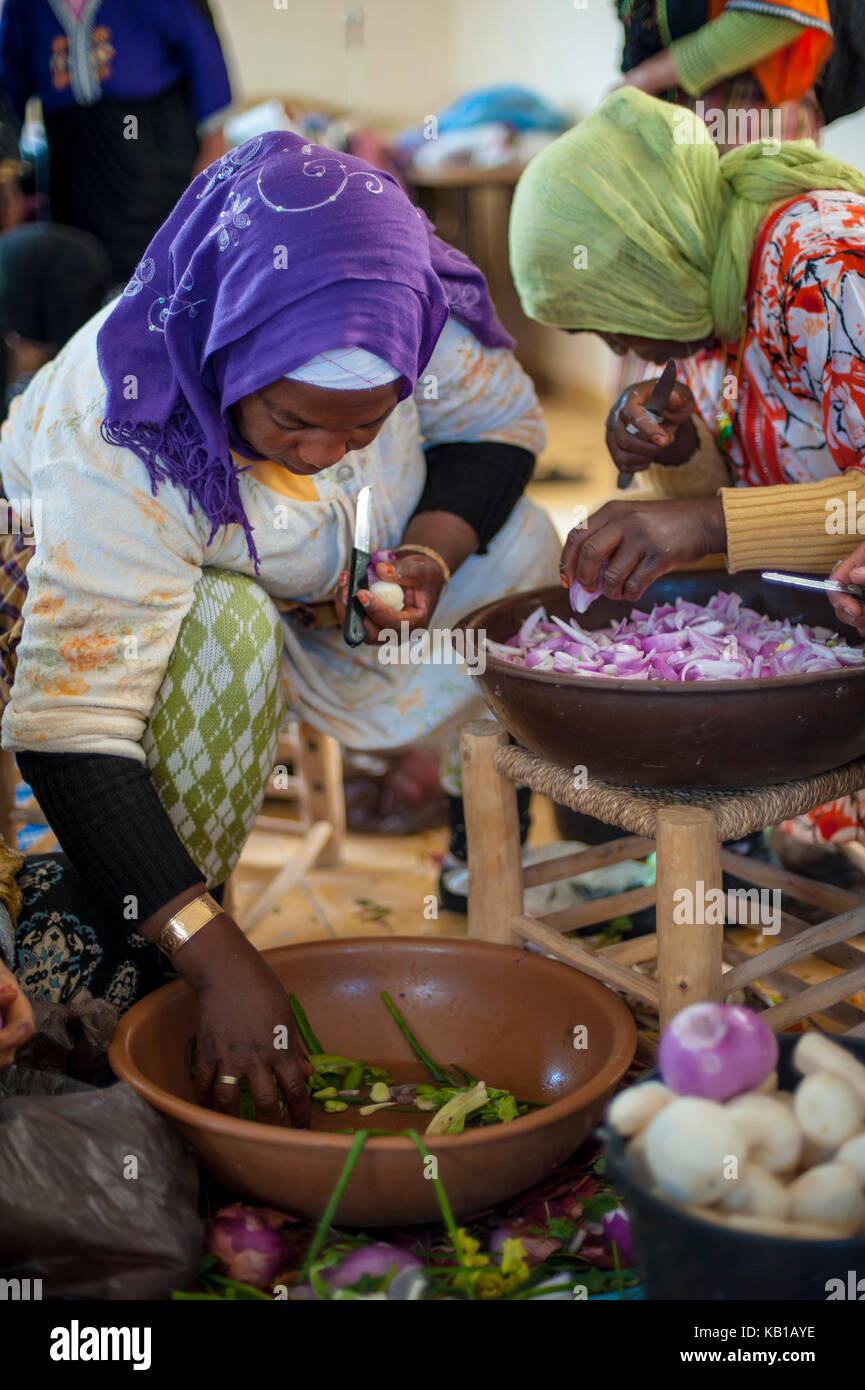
{"x": 655, "y": 407}
{"x": 807, "y": 581}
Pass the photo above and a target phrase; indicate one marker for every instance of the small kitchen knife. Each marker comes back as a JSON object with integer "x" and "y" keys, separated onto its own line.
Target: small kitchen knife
{"x": 803, "y": 581}
{"x": 655, "y": 406}
{"x": 357, "y": 575}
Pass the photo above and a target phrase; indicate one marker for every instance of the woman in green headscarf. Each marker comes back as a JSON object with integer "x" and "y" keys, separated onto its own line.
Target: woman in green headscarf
{"x": 750, "y": 270}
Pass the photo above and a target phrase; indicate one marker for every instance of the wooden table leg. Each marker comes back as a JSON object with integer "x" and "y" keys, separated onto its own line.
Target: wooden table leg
{"x": 319, "y": 765}
{"x": 689, "y": 949}
{"x": 493, "y": 835}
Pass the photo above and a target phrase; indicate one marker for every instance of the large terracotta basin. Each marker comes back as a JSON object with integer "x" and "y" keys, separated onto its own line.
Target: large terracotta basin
{"x": 506, "y": 1015}
{"x": 743, "y": 733}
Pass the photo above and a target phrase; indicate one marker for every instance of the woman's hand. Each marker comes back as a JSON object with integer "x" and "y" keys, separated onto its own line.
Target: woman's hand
{"x": 635, "y": 440}
{"x": 245, "y": 1027}
{"x": 421, "y": 580}
{"x": 17, "y": 1017}
{"x": 635, "y": 543}
{"x": 654, "y": 75}
{"x": 848, "y": 609}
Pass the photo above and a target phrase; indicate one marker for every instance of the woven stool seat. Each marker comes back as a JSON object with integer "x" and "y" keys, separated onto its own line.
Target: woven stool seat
{"x": 737, "y": 811}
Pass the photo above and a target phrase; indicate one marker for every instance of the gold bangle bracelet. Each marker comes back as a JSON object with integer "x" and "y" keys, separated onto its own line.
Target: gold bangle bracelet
{"x": 186, "y": 921}
{"x": 429, "y": 552}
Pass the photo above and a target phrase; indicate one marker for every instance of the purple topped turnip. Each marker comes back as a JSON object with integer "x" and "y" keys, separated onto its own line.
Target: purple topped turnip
{"x": 716, "y": 1051}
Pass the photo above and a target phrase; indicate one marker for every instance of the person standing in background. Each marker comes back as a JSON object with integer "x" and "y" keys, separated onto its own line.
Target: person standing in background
{"x": 133, "y": 95}
{"x": 52, "y": 280}
{"x": 753, "y": 62}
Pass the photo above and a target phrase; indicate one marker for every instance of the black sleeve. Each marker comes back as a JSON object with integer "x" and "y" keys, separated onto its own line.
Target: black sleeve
{"x": 106, "y": 813}
{"x": 481, "y": 482}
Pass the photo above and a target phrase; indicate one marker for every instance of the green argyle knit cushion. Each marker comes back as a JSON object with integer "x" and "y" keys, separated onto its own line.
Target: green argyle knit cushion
{"x": 211, "y": 740}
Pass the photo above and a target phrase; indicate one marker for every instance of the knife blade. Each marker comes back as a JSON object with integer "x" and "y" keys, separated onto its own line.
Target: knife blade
{"x": 804, "y": 581}
{"x": 357, "y": 575}
{"x": 662, "y": 391}
{"x": 655, "y": 406}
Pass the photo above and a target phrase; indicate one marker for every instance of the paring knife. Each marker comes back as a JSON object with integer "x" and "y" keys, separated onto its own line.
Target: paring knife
{"x": 357, "y": 575}
{"x": 655, "y": 406}
{"x": 803, "y": 581}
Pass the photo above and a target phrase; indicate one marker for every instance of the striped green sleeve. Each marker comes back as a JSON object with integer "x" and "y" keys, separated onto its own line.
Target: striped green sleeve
{"x": 734, "y": 42}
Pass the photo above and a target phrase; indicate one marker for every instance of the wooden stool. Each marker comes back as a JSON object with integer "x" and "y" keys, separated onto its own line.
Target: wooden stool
{"x": 316, "y": 786}
{"x": 687, "y": 829}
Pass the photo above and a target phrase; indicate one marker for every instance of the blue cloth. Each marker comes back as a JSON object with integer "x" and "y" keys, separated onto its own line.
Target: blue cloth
{"x": 120, "y": 49}
{"x": 514, "y": 106}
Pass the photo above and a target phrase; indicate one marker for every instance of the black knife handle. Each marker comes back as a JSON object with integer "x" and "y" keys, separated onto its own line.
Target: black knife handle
{"x": 354, "y": 615}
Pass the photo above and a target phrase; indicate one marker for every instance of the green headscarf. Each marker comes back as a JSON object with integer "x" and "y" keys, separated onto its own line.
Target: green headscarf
{"x": 631, "y": 223}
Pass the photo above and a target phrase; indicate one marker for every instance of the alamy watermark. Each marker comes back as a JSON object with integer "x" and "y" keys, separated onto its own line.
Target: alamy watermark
{"x": 22, "y": 516}
{"x": 732, "y": 125}
{"x": 439, "y": 646}
{"x": 845, "y": 516}
{"x": 735, "y": 907}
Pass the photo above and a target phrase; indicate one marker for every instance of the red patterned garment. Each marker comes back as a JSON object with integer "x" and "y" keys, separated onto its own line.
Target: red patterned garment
{"x": 800, "y": 413}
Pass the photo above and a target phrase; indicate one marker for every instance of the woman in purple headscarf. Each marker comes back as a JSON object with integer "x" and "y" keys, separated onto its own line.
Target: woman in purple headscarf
{"x": 295, "y": 332}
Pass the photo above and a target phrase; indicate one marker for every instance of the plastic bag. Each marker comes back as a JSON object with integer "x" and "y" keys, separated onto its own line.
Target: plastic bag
{"x": 98, "y": 1194}
{"x": 71, "y": 1038}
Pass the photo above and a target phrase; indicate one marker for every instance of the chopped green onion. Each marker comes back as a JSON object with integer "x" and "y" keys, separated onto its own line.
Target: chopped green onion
{"x": 447, "y": 1213}
{"x": 436, "y": 1072}
{"x": 353, "y": 1077}
{"x": 324, "y": 1224}
{"x": 307, "y": 1037}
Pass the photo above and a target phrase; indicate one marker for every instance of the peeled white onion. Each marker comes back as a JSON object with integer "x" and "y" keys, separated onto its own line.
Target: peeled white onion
{"x": 388, "y": 592}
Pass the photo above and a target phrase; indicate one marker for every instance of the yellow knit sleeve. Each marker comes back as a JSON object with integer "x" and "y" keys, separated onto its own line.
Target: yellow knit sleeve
{"x": 797, "y": 526}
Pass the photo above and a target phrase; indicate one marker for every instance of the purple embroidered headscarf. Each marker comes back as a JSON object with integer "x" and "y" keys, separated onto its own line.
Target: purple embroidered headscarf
{"x": 280, "y": 251}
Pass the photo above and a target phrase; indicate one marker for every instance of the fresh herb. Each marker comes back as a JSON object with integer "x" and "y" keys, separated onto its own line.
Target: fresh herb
{"x": 217, "y": 1286}
{"x": 307, "y": 1037}
{"x": 437, "y": 1073}
{"x": 560, "y": 1229}
{"x": 372, "y": 911}
{"x": 444, "y": 1207}
{"x": 595, "y": 1208}
{"x": 324, "y": 1224}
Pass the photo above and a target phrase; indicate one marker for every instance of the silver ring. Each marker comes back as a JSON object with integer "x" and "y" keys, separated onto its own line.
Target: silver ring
{"x": 632, "y": 429}
{"x": 228, "y": 1080}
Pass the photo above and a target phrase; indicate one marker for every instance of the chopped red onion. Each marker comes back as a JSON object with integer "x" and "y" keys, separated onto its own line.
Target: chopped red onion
{"x": 581, "y": 598}
{"x": 247, "y": 1242}
{"x": 378, "y": 557}
{"x": 684, "y": 641}
{"x": 617, "y": 1229}
{"x": 374, "y": 1260}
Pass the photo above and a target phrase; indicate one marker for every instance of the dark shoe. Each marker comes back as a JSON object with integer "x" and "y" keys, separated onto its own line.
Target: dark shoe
{"x": 453, "y": 888}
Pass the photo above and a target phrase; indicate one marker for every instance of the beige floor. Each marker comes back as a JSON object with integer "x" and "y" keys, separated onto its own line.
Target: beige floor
{"x": 383, "y": 886}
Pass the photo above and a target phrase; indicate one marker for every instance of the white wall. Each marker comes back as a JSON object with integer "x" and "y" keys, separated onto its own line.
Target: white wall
{"x": 846, "y": 139}
{"x": 570, "y": 55}
{"x": 420, "y": 55}
{"x": 300, "y": 51}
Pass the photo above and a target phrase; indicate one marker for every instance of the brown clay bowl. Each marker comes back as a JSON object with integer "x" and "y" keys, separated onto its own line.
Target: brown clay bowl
{"x": 504, "y": 1014}
{"x": 746, "y": 733}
